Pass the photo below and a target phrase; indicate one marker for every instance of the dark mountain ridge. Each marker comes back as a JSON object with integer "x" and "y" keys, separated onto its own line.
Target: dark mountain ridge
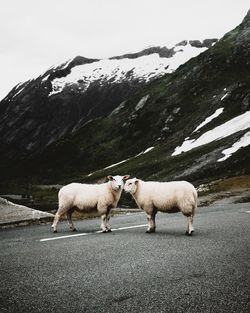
{"x": 39, "y": 112}
{"x": 164, "y": 52}
{"x": 160, "y": 116}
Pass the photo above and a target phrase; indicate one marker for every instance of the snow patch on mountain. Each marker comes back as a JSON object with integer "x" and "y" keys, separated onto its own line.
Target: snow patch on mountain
{"x": 67, "y": 63}
{"x": 141, "y": 103}
{"x": 232, "y": 126}
{"x": 123, "y": 161}
{"x": 118, "y": 163}
{"x": 144, "y": 68}
{"x": 19, "y": 91}
{"x": 243, "y": 142}
{"x": 209, "y": 119}
{"x": 119, "y": 108}
{"x": 222, "y": 98}
{"x": 45, "y": 78}
{"x": 148, "y": 149}
{"x": 183, "y": 54}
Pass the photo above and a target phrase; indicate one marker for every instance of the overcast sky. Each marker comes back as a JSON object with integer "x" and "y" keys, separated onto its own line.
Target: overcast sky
{"x": 35, "y": 34}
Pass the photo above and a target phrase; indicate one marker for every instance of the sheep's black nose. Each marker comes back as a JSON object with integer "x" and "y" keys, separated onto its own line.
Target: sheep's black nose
{"x": 119, "y": 186}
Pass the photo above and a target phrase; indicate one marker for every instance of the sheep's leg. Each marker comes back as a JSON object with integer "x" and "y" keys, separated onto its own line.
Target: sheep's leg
{"x": 104, "y": 226}
{"x": 69, "y": 218}
{"x": 56, "y": 220}
{"x": 151, "y": 222}
{"x": 59, "y": 213}
{"x": 107, "y": 224}
{"x": 153, "y": 219}
{"x": 190, "y": 228}
{"x": 61, "y": 210}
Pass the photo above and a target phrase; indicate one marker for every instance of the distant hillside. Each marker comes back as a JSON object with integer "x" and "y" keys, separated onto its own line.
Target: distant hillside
{"x": 61, "y": 100}
{"x": 191, "y": 124}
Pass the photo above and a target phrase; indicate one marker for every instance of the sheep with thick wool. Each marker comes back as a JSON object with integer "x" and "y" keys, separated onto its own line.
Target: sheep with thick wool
{"x": 90, "y": 198}
{"x": 168, "y": 197}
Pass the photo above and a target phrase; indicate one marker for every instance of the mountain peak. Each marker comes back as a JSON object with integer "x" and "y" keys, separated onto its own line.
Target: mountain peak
{"x": 65, "y": 68}
{"x": 165, "y": 52}
{"x": 246, "y": 20}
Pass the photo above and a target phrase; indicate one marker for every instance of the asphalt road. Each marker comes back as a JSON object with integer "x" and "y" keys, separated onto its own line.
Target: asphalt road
{"x": 128, "y": 270}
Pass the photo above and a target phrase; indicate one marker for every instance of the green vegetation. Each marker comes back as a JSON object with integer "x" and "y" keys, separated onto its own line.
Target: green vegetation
{"x": 177, "y": 103}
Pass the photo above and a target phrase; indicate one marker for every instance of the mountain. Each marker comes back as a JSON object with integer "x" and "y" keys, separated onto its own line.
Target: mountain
{"x": 60, "y": 101}
{"x": 192, "y": 123}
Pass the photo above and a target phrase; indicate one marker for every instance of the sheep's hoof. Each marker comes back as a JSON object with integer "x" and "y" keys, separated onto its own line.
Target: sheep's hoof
{"x": 109, "y": 230}
{"x": 74, "y": 229}
{"x": 54, "y": 231}
{"x": 149, "y": 231}
{"x": 104, "y": 231}
{"x": 189, "y": 234}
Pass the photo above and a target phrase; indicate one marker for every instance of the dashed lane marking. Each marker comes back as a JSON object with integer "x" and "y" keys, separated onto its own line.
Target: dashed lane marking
{"x": 87, "y": 234}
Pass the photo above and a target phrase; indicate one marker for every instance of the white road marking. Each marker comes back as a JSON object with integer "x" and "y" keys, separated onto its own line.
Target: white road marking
{"x": 247, "y": 211}
{"x": 86, "y": 234}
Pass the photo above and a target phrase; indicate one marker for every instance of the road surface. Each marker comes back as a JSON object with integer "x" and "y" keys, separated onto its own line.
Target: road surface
{"x": 128, "y": 270}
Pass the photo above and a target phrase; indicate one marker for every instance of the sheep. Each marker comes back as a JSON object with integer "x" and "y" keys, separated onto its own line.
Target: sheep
{"x": 169, "y": 197}
{"x": 90, "y": 198}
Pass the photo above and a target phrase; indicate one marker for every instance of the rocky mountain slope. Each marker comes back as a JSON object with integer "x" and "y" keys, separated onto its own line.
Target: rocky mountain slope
{"x": 191, "y": 124}
{"x": 60, "y": 101}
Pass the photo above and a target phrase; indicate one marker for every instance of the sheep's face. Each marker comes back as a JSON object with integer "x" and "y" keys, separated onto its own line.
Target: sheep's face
{"x": 131, "y": 185}
{"x": 117, "y": 182}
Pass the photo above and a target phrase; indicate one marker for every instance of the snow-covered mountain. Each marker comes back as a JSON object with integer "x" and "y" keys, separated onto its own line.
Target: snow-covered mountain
{"x": 157, "y": 114}
{"x": 60, "y": 101}
{"x": 146, "y": 65}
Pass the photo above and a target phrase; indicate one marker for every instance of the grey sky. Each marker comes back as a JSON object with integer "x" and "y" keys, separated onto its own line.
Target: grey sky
{"x": 36, "y": 34}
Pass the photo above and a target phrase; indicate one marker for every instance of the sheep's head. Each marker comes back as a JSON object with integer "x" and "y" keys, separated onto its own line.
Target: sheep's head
{"x": 117, "y": 182}
{"x": 131, "y": 185}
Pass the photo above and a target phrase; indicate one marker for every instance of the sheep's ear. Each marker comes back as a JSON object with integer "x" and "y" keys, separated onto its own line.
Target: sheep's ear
{"x": 110, "y": 177}
{"x": 125, "y": 177}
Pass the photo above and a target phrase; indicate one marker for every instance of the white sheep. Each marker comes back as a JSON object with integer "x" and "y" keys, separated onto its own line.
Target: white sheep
{"x": 90, "y": 198}
{"x": 169, "y": 197}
